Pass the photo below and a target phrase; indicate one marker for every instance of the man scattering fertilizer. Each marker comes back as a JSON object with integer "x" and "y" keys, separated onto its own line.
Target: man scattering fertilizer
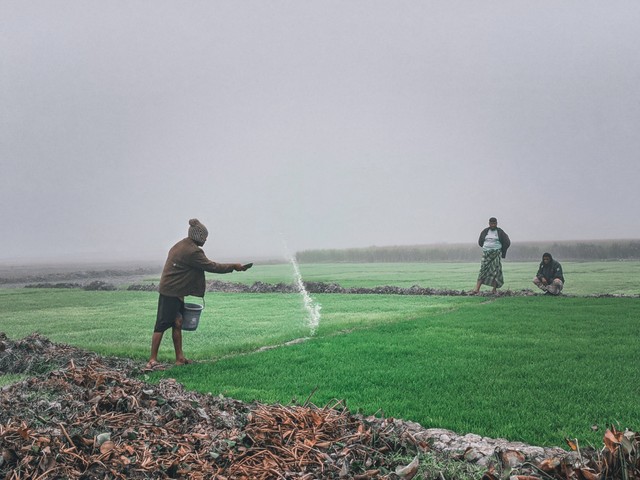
{"x": 182, "y": 275}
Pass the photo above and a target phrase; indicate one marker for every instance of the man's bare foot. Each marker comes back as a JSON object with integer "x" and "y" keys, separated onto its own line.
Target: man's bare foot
{"x": 153, "y": 365}
{"x": 183, "y": 361}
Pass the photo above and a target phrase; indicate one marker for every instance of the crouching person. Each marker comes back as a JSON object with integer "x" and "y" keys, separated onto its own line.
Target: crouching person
{"x": 549, "y": 277}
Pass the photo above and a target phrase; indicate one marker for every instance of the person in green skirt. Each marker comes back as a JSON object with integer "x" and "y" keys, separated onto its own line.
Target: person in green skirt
{"x": 494, "y": 242}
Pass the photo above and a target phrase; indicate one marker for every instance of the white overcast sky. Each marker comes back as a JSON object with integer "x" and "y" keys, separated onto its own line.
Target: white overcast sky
{"x": 322, "y": 124}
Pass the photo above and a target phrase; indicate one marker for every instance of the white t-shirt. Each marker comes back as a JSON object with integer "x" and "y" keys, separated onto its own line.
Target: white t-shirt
{"x": 491, "y": 241}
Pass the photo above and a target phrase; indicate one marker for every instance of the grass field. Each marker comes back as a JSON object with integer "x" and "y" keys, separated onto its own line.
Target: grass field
{"x": 582, "y": 278}
{"x": 535, "y": 369}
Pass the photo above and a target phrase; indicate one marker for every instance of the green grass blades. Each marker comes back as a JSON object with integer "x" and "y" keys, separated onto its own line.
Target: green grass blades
{"x": 106, "y": 322}
{"x": 532, "y": 369}
{"x": 121, "y": 323}
{"x": 10, "y": 378}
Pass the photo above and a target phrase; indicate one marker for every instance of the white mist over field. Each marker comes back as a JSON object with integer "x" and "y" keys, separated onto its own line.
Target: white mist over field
{"x": 339, "y": 124}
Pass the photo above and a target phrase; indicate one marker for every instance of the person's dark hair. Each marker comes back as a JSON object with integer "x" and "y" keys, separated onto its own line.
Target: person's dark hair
{"x": 493, "y": 219}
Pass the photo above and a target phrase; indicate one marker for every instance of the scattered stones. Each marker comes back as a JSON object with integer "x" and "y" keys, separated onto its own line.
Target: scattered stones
{"x": 143, "y": 287}
{"x": 322, "y": 287}
{"x": 54, "y": 285}
{"x": 99, "y": 285}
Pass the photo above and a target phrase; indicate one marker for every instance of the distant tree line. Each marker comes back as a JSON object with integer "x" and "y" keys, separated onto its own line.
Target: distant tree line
{"x": 519, "y": 251}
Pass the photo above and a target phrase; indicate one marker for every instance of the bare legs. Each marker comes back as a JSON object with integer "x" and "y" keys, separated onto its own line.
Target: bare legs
{"x": 155, "y": 346}
{"x": 176, "y": 336}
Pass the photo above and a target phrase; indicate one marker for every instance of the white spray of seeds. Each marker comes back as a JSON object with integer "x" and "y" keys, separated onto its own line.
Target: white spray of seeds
{"x": 311, "y": 306}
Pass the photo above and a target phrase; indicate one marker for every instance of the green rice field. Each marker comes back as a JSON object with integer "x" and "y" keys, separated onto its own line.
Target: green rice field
{"x": 582, "y": 278}
{"x": 530, "y": 368}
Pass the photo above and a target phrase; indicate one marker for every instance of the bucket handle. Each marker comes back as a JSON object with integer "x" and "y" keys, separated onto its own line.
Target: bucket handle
{"x": 202, "y": 301}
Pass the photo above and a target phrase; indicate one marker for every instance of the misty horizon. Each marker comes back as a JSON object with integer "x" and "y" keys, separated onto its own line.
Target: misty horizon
{"x": 158, "y": 260}
{"x": 315, "y": 125}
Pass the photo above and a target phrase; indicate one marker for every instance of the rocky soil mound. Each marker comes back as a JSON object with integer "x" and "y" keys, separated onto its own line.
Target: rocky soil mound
{"x": 83, "y": 416}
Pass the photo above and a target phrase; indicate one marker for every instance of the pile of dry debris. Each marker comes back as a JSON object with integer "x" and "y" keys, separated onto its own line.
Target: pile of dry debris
{"x": 93, "y": 417}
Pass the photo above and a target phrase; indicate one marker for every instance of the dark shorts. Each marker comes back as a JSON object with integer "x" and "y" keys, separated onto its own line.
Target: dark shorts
{"x": 169, "y": 308}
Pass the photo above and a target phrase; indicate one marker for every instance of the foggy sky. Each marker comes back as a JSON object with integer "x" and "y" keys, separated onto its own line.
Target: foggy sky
{"x": 322, "y": 124}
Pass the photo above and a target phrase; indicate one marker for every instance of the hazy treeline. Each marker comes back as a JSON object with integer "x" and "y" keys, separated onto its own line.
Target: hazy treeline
{"x": 519, "y": 251}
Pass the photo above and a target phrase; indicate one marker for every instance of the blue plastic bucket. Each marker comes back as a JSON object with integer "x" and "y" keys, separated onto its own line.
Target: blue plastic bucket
{"x": 191, "y": 316}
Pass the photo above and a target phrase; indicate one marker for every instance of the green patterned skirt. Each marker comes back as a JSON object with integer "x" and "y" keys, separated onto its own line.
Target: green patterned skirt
{"x": 491, "y": 269}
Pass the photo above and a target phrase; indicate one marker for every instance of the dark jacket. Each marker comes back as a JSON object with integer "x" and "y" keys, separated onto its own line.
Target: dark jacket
{"x": 502, "y": 236}
{"x": 550, "y": 271}
{"x": 183, "y": 272}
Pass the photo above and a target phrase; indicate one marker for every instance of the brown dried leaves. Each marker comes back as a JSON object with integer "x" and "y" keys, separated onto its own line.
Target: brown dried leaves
{"x": 95, "y": 422}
